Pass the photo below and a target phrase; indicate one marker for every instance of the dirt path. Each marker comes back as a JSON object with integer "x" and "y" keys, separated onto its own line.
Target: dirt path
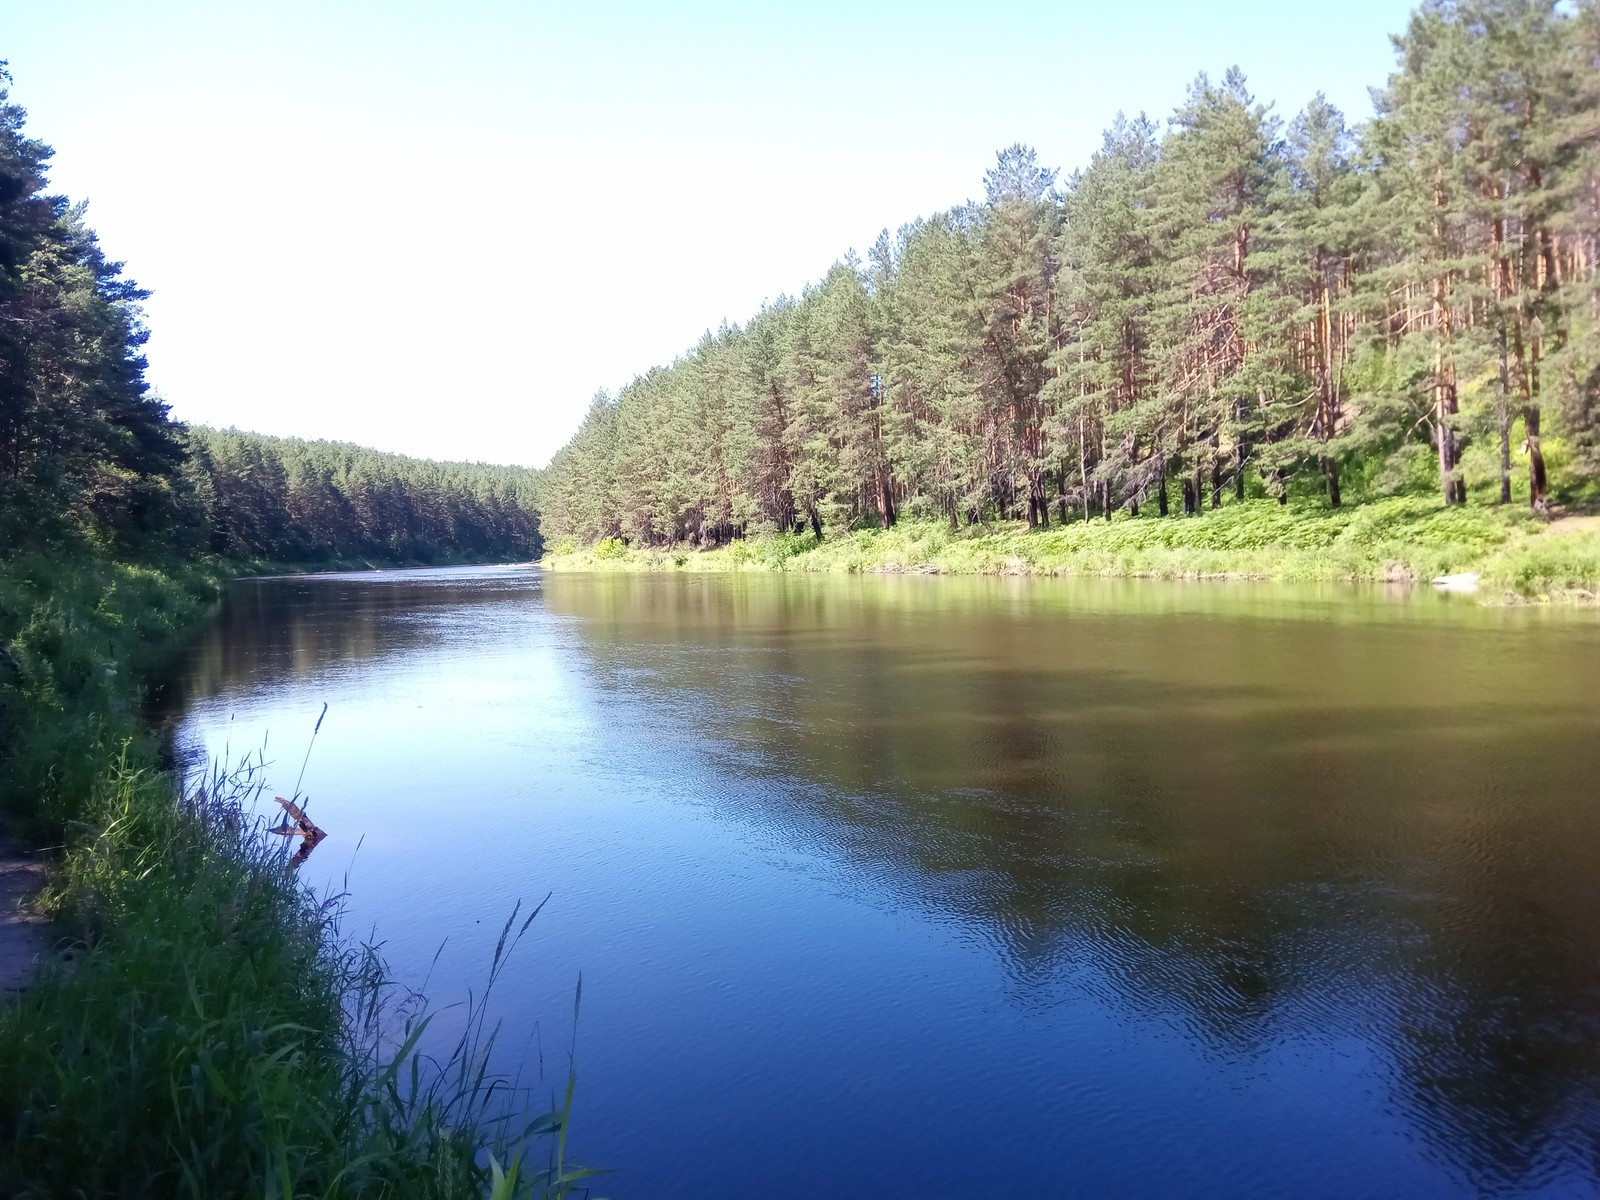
{"x": 22, "y": 931}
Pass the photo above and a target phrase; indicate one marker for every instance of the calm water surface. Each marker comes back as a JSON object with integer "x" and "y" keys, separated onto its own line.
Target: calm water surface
{"x": 905, "y": 887}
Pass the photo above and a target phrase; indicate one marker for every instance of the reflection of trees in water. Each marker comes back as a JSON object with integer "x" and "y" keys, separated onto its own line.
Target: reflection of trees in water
{"x": 274, "y": 631}
{"x": 1501, "y": 1045}
{"x": 1259, "y": 829}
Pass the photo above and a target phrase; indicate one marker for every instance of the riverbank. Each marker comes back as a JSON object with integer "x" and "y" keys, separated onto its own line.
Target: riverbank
{"x": 199, "y": 1027}
{"x": 253, "y": 568}
{"x": 1517, "y": 555}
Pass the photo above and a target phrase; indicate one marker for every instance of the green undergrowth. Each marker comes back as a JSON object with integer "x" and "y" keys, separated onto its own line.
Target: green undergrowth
{"x": 204, "y": 1029}
{"x": 76, "y": 632}
{"x": 1405, "y": 538}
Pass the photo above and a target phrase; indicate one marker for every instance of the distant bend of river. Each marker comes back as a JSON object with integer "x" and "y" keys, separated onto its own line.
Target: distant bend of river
{"x": 908, "y": 887}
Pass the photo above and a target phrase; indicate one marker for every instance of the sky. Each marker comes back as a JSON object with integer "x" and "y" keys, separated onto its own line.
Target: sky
{"x": 441, "y": 228}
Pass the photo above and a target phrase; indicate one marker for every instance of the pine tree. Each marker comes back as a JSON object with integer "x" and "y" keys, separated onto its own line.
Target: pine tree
{"x": 1208, "y": 195}
{"x": 1300, "y": 324}
{"x": 1102, "y": 384}
{"x": 1016, "y": 273}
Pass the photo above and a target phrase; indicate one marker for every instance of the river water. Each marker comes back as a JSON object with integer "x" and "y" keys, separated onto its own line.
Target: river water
{"x": 912, "y": 887}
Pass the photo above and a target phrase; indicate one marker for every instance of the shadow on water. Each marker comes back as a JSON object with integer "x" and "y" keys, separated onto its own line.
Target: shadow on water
{"x": 1264, "y": 817}
{"x": 271, "y": 631}
{"x": 1349, "y": 820}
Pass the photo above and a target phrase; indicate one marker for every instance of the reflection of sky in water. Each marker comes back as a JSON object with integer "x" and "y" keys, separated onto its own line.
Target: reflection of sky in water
{"x": 931, "y": 887}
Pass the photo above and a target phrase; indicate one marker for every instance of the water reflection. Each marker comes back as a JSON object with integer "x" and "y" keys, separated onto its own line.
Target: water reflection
{"x": 1304, "y": 829}
{"x": 272, "y": 631}
{"x": 296, "y": 824}
{"x": 1277, "y": 822}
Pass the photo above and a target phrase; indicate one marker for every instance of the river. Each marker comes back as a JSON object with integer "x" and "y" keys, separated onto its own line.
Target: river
{"x": 928, "y": 887}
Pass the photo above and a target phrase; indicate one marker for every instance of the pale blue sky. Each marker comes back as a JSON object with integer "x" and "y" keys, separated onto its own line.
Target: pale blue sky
{"x": 439, "y": 228}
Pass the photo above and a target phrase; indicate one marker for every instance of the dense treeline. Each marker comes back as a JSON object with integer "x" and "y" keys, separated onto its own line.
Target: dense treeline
{"x": 297, "y": 501}
{"x": 1230, "y": 305}
{"x": 89, "y": 454}
{"x": 83, "y": 443}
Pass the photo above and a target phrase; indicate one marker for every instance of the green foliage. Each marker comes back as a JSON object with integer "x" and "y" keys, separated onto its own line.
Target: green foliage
{"x": 1409, "y": 538}
{"x": 74, "y": 632}
{"x": 1565, "y": 566}
{"x": 84, "y": 447}
{"x": 291, "y": 501}
{"x": 1229, "y": 307}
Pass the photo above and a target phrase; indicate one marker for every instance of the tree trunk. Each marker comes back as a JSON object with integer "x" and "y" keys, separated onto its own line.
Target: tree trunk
{"x": 1528, "y": 376}
{"x": 1240, "y": 451}
{"x": 1530, "y": 417}
{"x": 1537, "y": 484}
{"x": 1503, "y": 286}
{"x": 1446, "y": 442}
{"x": 1502, "y": 413}
{"x": 1161, "y": 494}
{"x": 1083, "y": 469}
{"x": 1444, "y": 385}
{"x": 1038, "y": 501}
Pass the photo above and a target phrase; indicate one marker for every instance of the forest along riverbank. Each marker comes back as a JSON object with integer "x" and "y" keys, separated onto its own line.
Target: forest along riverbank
{"x": 1230, "y": 307}
{"x": 1518, "y": 555}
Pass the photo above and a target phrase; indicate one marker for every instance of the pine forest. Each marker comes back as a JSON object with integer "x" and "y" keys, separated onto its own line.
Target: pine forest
{"x": 1224, "y": 306}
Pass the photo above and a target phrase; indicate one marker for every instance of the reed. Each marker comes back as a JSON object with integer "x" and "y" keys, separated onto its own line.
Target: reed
{"x": 209, "y": 1032}
{"x": 206, "y": 1029}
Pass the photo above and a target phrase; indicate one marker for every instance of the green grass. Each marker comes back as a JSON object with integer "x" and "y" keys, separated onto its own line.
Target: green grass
{"x": 1394, "y": 539}
{"x": 77, "y": 633}
{"x": 1561, "y": 564}
{"x": 207, "y": 1031}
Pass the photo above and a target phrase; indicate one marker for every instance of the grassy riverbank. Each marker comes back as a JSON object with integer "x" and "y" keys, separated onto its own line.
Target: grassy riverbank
{"x": 206, "y": 1031}
{"x": 1399, "y": 538}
